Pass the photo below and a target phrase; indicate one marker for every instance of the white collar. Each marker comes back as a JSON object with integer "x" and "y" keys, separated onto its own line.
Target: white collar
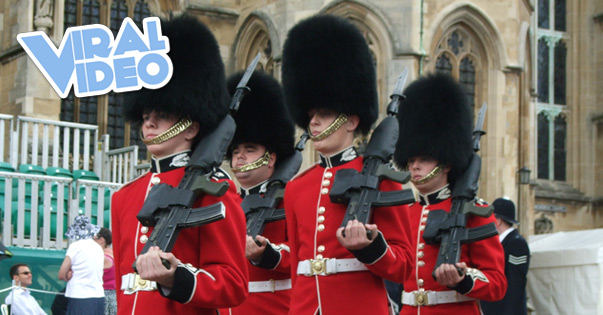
{"x": 504, "y": 234}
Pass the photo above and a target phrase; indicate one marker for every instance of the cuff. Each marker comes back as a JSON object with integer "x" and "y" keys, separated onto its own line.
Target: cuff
{"x": 465, "y": 286}
{"x": 270, "y": 258}
{"x": 373, "y": 252}
{"x": 184, "y": 284}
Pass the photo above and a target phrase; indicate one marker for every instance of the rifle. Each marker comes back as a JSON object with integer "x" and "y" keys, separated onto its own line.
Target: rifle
{"x": 168, "y": 208}
{"x": 361, "y": 190}
{"x": 259, "y": 209}
{"x": 450, "y": 228}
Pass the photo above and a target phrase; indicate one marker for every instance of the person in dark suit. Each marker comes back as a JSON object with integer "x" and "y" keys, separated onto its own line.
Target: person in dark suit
{"x": 517, "y": 261}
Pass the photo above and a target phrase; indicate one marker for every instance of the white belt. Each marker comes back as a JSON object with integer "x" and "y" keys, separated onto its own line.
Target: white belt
{"x": 269, "y": 286}
{"x": 328, "y": 266}
{"x": 132, "y": 283}
{"x": 422, "y": 297}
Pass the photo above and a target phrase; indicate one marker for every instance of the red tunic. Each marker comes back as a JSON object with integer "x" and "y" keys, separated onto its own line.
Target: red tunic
{"x": 279, "y": 264}
{"x": 312, "y": 222}
{"x": 216, "y": 249}
{"x": 486, "y": 257}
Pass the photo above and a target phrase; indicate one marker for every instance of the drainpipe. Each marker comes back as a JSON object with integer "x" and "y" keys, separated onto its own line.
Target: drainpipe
{"x": 421, "y": 49}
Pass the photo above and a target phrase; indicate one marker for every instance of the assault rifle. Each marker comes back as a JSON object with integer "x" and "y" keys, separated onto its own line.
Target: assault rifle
{"x": 450, "y": 228}
{"x": 360, "y": 191}
{"x": 261, "y": 209}
{"x": 169, "y": 209}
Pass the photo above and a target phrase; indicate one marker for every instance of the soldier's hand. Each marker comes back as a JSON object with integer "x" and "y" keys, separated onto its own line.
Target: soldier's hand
{"x": 150, "y": 266}
{"x": 448, "y": 275}
{"x": 255, "y": 248}
{"x": 356, "y": 235}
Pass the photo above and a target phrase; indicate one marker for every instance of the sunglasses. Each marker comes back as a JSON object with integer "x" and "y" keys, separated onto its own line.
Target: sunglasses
{"x": 27, "y": 273}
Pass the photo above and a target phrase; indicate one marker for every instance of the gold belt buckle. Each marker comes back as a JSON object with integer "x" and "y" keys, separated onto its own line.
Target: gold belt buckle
{"x": 319, "y": 266}
{"x": 420, "y": 297}
{"x": 141, "y": 284}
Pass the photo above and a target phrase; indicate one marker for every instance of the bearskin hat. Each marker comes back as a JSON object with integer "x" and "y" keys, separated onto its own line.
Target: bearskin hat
{"x": 198, "y": 85}
{"x": 327, "y": 64}
{"x": 437, "y": 121}
{"x": 263, "y": 117}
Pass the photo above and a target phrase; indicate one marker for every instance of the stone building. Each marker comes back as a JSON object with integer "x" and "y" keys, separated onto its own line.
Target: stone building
{"x": 538, "y": 64}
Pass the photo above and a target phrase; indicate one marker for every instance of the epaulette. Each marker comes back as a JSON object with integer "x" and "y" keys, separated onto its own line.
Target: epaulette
{"x": 133, "y": 180}
{"x": 304, "y": 171}
{"x": 219, "y": 174}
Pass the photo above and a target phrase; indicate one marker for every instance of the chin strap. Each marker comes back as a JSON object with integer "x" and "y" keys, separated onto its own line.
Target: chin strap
{"x": 264, "y": 160}
{"x": 435, "y": 172}
{"x": 175, "y": 130}
{"x": 336, "y": 124}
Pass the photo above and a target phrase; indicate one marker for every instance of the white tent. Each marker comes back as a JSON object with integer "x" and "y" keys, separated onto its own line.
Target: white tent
{"x": 566, "y": 273}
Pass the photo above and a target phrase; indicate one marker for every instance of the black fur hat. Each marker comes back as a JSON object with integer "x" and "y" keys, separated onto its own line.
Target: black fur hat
{"x": 198, "y": 85}
{"x": 327, "y": 64}
{"x": 263, "y": 117}
{"x": 437, "y": 121}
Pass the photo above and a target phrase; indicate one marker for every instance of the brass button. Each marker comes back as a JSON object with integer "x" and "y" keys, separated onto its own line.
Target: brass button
{"x": 421, "y": 263}
{"x": 144, "y": 239}
{"x": 321, "y": 248}
{"x": 424, "y": 219}
{"x": 421, "y": 245}
{"x": 321, "y": 210}
{"x": 319, "y": 256}
{"x": 326, "y": 182}
{"x": 142, "y": 282}
{"x": 324, "y": 191}
{"x": 144, "y": 229}
{"x": 321, "y": 218}
{"x": 422, "y": 228}
{"x": 328, "y": 175}
{"x": 321, "y": 227}
{"x": 155, "y": 180}
{"x": 420, "y": 254}
{"x": 420, "y": 282}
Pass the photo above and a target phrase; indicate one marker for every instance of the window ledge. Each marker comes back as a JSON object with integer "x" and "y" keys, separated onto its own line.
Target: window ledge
{"x": 558, "y": 190}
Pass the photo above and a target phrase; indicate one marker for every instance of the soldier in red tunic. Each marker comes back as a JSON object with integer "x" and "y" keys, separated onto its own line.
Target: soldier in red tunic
{"x": 330, "y": 87}
{"x": 207, "y": 263}
{"x": 435, "y": 144}
{"x": 264, "y": 137}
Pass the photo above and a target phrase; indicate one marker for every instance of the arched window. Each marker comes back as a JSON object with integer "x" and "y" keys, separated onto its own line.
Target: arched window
{"x": 86, "y": 110}
{"x": 458, "y": 55}
{"x": 551, "y": 84}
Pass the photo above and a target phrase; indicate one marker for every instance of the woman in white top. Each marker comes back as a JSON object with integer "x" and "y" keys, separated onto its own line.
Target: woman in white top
{"x": 83, "y": 269}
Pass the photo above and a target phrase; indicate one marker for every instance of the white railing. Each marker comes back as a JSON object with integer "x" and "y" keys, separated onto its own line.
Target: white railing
{"x": 45, "y": 135}
{"x": 45, "y": 205}
{"x": 5, "y": 121}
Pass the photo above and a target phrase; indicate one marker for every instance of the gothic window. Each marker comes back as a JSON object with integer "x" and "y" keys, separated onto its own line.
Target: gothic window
{"x": 458, "y": 56}
{"x": 551, "y": 84}
{"x": 85, "y": 110}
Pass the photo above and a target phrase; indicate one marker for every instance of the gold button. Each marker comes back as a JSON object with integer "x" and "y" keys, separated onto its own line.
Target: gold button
{"x": 144, "y": 239}
{"x": 422, "y": 228}
{"x": 155, "y": 180}
{"x": 326, "y": 182}
{"x": 321, "y": 210}
{"x": 421, "y": 245}
{"x": 420, "y": 254}
{"x": 421, "y": 263}
{"x": 324, "y": 191}
{"x": 321, "y": 248}
{"x": 321, "y": 218}
{"x": 420, "y": 282}
{"x": 321, "y": 227}
{"x": 142, "y": 282}
{"x": 319, "y": 256}
{"x": 144, "y": 229}
{"x": 328, "y": 175}
{"x": 424, "y": 219}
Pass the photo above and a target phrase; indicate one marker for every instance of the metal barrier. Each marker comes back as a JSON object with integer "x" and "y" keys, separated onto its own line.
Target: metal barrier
{"x": 63, "y": 154}
{"x": 5, "y": 121}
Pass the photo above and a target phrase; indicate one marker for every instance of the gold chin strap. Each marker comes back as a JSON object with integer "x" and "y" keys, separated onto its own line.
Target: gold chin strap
{"x": 336, "y": 124}
{"x": 253, "y": 165}
{"x": 435, "y": 172}
{"x": 176, "y": 129}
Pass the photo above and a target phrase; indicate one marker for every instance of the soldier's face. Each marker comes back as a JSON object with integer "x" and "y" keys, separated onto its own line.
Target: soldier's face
{"x": 321, "y": 119}
{"x": 246, "y": 153}
{"x": 23, "y": 276}
{"x": 154, "y": 124}
{"x": 421, "y": 166}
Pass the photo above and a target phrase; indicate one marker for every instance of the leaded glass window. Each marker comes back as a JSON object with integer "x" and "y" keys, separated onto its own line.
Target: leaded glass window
{"x": 543, "y": 14}
{"x": 560, "y": 150}
{"x": 543, "y": 76}
{"x": 443, "y": 64}
{"x": 467, "y": 79}
{"x": 543, "y": 146}
{"x": 560, "y": 73}
{"x": 560, "y": 15}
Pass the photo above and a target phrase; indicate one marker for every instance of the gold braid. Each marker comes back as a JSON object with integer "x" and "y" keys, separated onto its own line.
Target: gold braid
{"x": 435, "y": 172}
{"x": 336, "y": 124}
{"x": 264, "y": 160}
{"x": 176, "y": 129}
